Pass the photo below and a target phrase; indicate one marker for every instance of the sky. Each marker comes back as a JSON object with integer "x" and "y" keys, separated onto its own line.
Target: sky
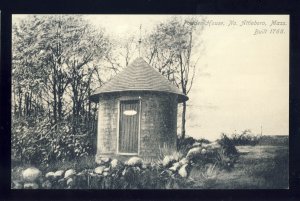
{"x": 242, "y": 78}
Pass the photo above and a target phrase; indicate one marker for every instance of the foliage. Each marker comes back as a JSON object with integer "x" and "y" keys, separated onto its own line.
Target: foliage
{"x": 36, "y": 142}
{"x": 203, "y": 141}
{"x": 55, "y": 65}
{"x": 274, "y": 140}
{"x": 167, "y": 151}
{"x": 184, "y": 144}
{"x": 228, "y": 145}
{"x": 246, "y": 137}
{"x": 228, "y": 153}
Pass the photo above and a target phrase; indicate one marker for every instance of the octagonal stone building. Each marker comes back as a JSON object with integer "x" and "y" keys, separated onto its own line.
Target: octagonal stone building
{"x": 137, "y": 113}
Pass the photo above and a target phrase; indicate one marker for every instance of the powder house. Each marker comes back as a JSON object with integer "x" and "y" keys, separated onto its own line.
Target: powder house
{"x": 137, "y": 113}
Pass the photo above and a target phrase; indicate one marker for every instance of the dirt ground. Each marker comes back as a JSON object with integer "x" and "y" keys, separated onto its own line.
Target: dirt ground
{"x": 258, "y": 167}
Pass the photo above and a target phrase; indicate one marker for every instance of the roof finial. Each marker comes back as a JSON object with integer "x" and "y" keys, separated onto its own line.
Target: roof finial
{"x": 140, "y": 40}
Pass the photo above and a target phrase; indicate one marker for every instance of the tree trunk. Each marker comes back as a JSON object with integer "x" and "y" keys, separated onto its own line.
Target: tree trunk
{"x": 59, "y": 99}
{"x": 55, "y": 102}
{"x": 30, "y": 103}
{"x": 59, "y": 107}
{"x": 183, "y": 120}
{"x": 75, "y": 104}
{"x": 89, "y": 107}
{"x": 20, "y": 101}
{"x": 15, "y": 103}
{"x": 183, "y": 88}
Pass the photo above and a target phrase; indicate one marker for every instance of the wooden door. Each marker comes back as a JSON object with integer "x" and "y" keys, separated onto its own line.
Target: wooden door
{"x": 129, "y": 126}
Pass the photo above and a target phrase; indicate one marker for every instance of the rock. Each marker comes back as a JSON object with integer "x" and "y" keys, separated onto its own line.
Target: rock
{"x": 69, "y": 173}
{"x": 168, "y": 160}
{"x": 80, "y": 174}
{"x": 193, "y": 152}
{"x": 105, "y": 173}
{"x": 70, "y": 182}
{"x": 175, "y": 167}
{"x": 102, "y": 160}
{"x": 184, "y": 161}
{"x": 17, "y": 185}
{"x": 182, "y": 171}
{"x": 92, "y": 174}
{"x": 47, "y": 184}
{"x": 59, "y": 173}
{"x": 106, "y": 169}
{"x": 196, "y": 144}
{"x": 98, "y": 160}
{"x": 114, "y": 163}
{"x": 124, "y": 171}
{"x": 50, "y": 174}
{"x": 99, "y": 170}
{"x": 137, "y": 169}
{"x": 145, "y": 166}
{"x": 135, "y": 161}
{"x": 105, "y": 159}
{"x": 31, "y": 174}
{"x": 61, "y": 182}
{"x": 213, "y": 145}
{"x": 203, "y": 151}
{"x": 31, "y": 185}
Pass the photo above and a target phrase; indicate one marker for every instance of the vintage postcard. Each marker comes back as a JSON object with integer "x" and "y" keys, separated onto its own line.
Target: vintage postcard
{"x": 150, "y": 101}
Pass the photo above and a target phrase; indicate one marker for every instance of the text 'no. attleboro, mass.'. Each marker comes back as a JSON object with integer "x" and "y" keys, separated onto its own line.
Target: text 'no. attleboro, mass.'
{"x": 274, "y": 26}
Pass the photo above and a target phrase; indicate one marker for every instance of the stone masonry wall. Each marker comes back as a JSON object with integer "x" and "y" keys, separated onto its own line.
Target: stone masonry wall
{"x": 107, "y": 125}
{"x": 158, "y": 123}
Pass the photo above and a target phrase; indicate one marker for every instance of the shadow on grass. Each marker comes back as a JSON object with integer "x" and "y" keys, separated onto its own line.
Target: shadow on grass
{"x": 274, "y": 171}
{"x": 258, "y": 167}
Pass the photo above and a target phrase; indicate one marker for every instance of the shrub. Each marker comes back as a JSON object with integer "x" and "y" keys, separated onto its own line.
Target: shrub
{"x": 37, "y": 142}
{"x": 245, "y": 138}
{"x": 184, "y": 144}
{"x": 228, "y": 153}
{"x": 29, "y": 144}
{"x": 228, "y": 145}
{"x": 203, "y": 141}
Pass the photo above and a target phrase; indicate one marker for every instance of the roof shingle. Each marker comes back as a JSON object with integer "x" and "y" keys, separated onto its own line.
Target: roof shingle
{"x": 138, "y": 76}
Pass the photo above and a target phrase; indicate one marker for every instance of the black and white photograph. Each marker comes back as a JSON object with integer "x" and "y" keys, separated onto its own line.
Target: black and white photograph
{"x": 131, "y": 101}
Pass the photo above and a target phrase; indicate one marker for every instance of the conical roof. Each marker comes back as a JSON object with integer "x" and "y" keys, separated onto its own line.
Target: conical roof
{"x": 138, "y": 76}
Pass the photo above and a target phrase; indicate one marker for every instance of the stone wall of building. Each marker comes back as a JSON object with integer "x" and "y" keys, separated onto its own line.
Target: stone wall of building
{"x": 107, "y": 125}
{"x": 158, "y": 123}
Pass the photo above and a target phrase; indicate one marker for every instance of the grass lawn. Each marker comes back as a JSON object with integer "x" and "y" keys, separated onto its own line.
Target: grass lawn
{"x": 258, "y": 167}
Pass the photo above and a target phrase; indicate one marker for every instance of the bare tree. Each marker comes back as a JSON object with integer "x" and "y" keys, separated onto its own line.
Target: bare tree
{"x": 170, "y": 49}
